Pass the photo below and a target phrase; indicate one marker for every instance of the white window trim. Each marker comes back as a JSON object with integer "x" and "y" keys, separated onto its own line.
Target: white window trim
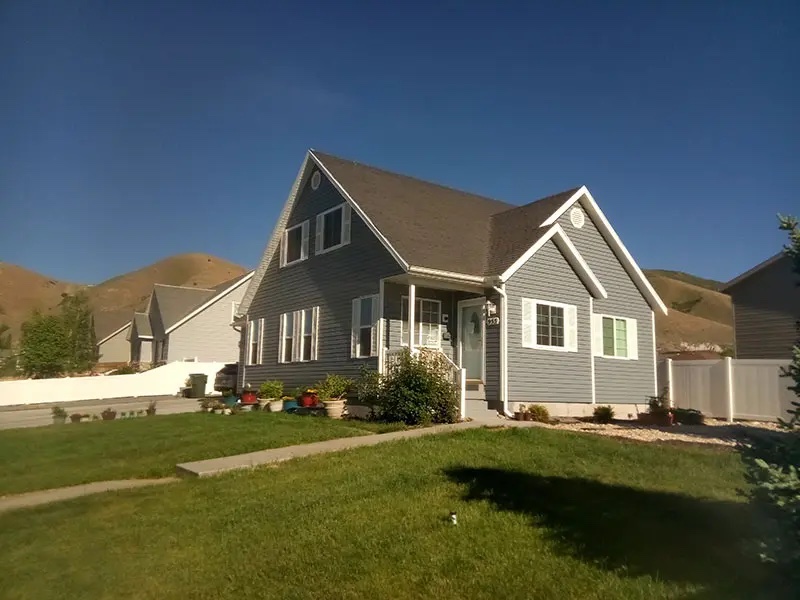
{"x": 631, "y": 330}
{"x": 404, "y": 323}
{"x": 259, "y": 342}
{"x": 568, "y": 346}
{"x": 356, "y": 327}
{"x": 234, "y": 307}
{"x": 319, "y": 233}
{"x": 293, "y": 320}
{"x": 303, "y": 244}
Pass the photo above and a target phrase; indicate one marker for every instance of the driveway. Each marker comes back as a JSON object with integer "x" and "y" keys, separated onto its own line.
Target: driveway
{"x": 36, "y": 415}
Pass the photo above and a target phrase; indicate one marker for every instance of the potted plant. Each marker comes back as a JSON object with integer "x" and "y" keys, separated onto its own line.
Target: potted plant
{"x": 76, "y": 417}
{"x": 519, "y": 415}
{"x": 109, "y": 414}
{"x": 249, "y": 395}
{"x": 151, "y": 408}
{"x": 659, "y": 412}
{"x": 272, "y": 393}
{"x": 309, "y": 397}
{"x": 332, "y": 392}
{"x": 59, "y": 415}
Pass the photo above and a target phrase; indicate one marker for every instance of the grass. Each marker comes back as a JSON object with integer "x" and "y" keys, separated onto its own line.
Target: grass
{"x": 60, "y": 455}
{"x": 541, "y": 514}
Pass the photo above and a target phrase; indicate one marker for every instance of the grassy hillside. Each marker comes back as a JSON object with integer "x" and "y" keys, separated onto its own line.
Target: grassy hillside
{"x": 22, "y": 291}
{"x": 710, "y": 284}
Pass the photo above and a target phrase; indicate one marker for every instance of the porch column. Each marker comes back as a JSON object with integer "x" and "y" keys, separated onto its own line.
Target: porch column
{"x": 412, "y": 307}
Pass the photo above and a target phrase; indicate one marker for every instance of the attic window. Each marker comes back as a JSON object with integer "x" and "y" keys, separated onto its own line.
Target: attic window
{"x": 315, "y": 180}
{"x": 576, "y": 217}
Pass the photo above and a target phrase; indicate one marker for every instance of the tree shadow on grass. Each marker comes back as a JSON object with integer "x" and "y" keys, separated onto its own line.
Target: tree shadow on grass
{"x": 632, "y": 531}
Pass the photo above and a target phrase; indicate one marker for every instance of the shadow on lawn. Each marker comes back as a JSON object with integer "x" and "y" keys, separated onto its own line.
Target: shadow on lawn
{"x": 632, "y": 531}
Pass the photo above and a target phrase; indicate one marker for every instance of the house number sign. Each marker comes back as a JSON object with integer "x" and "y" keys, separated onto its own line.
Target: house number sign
{"x": 491, "y": 314}
{"x": 492, "y": 321}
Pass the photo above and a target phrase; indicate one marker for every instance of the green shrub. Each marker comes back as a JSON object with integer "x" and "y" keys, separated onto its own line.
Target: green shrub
{"x": 333, "y": 387}
{"x": 417, "y": 391}
{"x": 659, "y": 404}
{"x": 688, "y": 416}
{"x": 368, "y": 386}
{"x": 271, "y": 389}
{"x": 125, "y": 370}
{"x": 538, "y": 413}
{"x": 603, "y": 414}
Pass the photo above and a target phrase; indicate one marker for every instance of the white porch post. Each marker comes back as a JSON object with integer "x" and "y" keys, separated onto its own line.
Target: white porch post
{"x": 412, "y": 307}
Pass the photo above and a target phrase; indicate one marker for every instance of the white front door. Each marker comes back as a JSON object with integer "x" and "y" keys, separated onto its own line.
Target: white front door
{"x": 471, "y": 336}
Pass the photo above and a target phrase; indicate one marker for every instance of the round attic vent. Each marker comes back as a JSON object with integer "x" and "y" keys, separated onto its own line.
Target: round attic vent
{"x": 315, "y": 179}
{"x": 576, "y": 217}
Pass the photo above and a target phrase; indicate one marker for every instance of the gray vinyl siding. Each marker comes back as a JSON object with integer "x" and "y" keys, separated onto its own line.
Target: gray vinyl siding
{"x": 617, "y": 381}
{"x": 116, "y": 348}
{"x": 208, "y": 335}
{"x": 536, "y": 375}
{"x": 330, "y": 281}
{"x": 766, "y": 308}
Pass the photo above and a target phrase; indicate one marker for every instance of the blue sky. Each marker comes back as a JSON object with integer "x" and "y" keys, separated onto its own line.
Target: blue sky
{"x": 133, "y": 131}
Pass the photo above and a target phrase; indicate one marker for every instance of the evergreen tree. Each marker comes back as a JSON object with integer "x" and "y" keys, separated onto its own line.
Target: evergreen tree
{"x": 76, "y": 315}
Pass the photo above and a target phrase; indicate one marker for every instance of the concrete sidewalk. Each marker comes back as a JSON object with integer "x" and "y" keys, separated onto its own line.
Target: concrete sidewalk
{"x": 36, "y": 415}
{"x": 38, "y": 498}
{"x": 215, "y": 466}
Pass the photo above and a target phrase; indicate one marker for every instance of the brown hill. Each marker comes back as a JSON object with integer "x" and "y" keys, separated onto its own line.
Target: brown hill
{"x": 22, "y": 291}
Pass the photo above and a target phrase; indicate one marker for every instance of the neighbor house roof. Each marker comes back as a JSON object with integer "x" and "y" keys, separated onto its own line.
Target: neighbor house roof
{"x": 219, "y": 291}
{"x": 437, "y": 230}
{"x": 175, "y": 302}
{"x": 142, "y": 323}
{"x": 108, "y": 323}
{"x": 757, "y": 269}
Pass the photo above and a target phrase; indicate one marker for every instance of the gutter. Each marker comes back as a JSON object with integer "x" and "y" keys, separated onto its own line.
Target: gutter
{"x": 501, "y": 289}
{"x": 476, "y": 279}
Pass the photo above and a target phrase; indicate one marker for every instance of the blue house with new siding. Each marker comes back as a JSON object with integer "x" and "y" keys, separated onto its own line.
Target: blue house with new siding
{"x": 540, "y": 303}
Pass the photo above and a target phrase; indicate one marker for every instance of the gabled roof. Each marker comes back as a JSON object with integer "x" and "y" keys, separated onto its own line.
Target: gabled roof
{"x": 142, "y": 323}
{"x": 107, "y": 324}
{"x": 220, "y": 291}
{"x": 175, "y": 302}
{"x": 758, "y": 268}
{"x": 432, "y": 228}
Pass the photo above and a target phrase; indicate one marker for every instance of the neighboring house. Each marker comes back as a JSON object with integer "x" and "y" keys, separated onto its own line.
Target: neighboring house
{"x": 112, "y": 330}
{"x": 537, "y": 303}
{"x": 184, "y": 323}
{"x": 766, "y": 307}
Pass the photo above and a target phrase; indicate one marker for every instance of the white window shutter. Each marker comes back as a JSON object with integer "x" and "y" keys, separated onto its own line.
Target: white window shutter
{"x": 297, "y": 335}
{"x": 571, "y": 328}
{"x": 346, "y": 214}
{"x": 375, "y": 326}
{"x": 304, "y": 241}
{"x": 283, "y": 249}
{"x": 247, "y": 328}
{"x": 633, "y": 340}
{"x": 354, "y": 325}
{"x": 261, "y": 341}
{"x": 318, "y": 234}
{"x": 597, "y": 335}
{"x": 314, "y": 332}
{"x": 281, "y": 335}
{"x": 528, "y": 323}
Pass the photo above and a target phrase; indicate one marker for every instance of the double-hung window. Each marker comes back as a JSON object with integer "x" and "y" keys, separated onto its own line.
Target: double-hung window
{"x": 549, "y": 325}
{"x": 615, "y": 337}
{"x": 427, "y": 323}
{"x": 364, "y": 336}
{"x": 332, "y": 229}
{"x": 255, "y": 340}
{"x": 294, "y": 244}
{"x": 297, "y": 337}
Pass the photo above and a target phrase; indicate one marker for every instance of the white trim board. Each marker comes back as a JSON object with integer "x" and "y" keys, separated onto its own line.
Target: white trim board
{"x": 574, "y": 258}
{"x": 607, "y": 231}
{"x": 208, "y": 303}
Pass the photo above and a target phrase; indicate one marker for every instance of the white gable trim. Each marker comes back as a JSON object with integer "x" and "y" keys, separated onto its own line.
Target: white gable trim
{"x": 574, "y": 258}
{"x": 395, "y": 254}
{"x": 213, "y": 300}
{"x": 111, "y": 335}
{"x": 605, "y": 228}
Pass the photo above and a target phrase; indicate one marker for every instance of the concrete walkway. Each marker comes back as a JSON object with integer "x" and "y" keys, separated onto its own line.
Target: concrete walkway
{"x": 215, "y": 466}
{"x": 30, "y": 499}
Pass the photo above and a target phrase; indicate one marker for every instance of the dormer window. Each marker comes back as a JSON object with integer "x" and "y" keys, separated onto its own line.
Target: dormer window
{"x": 333, "y": 229}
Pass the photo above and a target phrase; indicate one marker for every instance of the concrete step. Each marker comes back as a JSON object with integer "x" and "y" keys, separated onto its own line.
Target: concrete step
{"x": 479, "y": 410}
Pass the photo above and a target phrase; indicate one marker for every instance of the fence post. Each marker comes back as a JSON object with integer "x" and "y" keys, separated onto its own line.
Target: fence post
{"x": 669, "y": 383}
{"x": 463, "y": 391}
{"x": 729, "y": 395}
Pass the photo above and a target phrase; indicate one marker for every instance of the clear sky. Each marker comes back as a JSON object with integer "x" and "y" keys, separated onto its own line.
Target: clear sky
{"x": 131, "y": 131}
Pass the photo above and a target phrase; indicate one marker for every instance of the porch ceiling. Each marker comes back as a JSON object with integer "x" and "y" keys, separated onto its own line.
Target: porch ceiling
{"x": 436, "y": 283}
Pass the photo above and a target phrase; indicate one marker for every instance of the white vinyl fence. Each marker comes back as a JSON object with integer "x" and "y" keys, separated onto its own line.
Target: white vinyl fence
{"x": 161, "y": 381}
{"x": 728, "y": 388}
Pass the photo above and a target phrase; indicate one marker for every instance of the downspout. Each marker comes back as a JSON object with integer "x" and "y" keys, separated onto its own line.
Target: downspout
{"x": 501, "y": 289}
{"x": 238, "y": 328}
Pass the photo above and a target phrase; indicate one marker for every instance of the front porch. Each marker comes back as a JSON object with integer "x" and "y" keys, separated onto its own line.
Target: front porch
{"x": 448, "y": 319}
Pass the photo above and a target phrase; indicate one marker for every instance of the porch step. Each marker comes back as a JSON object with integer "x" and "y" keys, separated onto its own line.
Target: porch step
{"x": 475, "y": 395}
{"x": 479, "y": 410}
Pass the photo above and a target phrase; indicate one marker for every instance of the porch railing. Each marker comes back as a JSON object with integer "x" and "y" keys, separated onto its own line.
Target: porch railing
{"x": 455, "y": 374}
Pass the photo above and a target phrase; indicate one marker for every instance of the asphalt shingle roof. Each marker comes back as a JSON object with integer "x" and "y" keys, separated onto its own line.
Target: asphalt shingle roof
{"x": 174, "y": 303}
{"x": 142, "y": 322}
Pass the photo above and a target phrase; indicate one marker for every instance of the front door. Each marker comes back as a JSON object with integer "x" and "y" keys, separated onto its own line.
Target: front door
{"x": 471, "y": 330}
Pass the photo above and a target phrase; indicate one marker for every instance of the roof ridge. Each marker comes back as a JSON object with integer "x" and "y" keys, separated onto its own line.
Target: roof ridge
{"x": 322, "y": 155}
{"x": 184, "y": 287}
{"x": 569, "y": 191}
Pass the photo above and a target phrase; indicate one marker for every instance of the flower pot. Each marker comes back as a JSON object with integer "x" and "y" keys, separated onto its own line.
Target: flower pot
{"x": 227, "y": 411}
{"x": 334, "y": 409}
{"x": 108, "y": 416}
{"x": 75, "y": 418}
{"x": 59, "y": 420}
{"x": 518, "y": 416}
{"x": 150, "y": 411}
{"x": 249, "y": 397}
{"x": 308, "y": 399}
{"x": 275, "y": 405}
{"x": 527, "y": 417}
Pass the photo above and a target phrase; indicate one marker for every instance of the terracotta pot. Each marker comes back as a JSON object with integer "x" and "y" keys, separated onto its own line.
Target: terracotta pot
{"x": 334, "y": 409}
{"x": 526, "y": 416}
{"x": 519, "y": 416}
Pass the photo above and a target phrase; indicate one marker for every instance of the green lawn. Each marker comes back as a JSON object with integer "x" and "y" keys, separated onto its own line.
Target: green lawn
{"x": 60, "y": 455}
{"x": 541, "y": 514}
